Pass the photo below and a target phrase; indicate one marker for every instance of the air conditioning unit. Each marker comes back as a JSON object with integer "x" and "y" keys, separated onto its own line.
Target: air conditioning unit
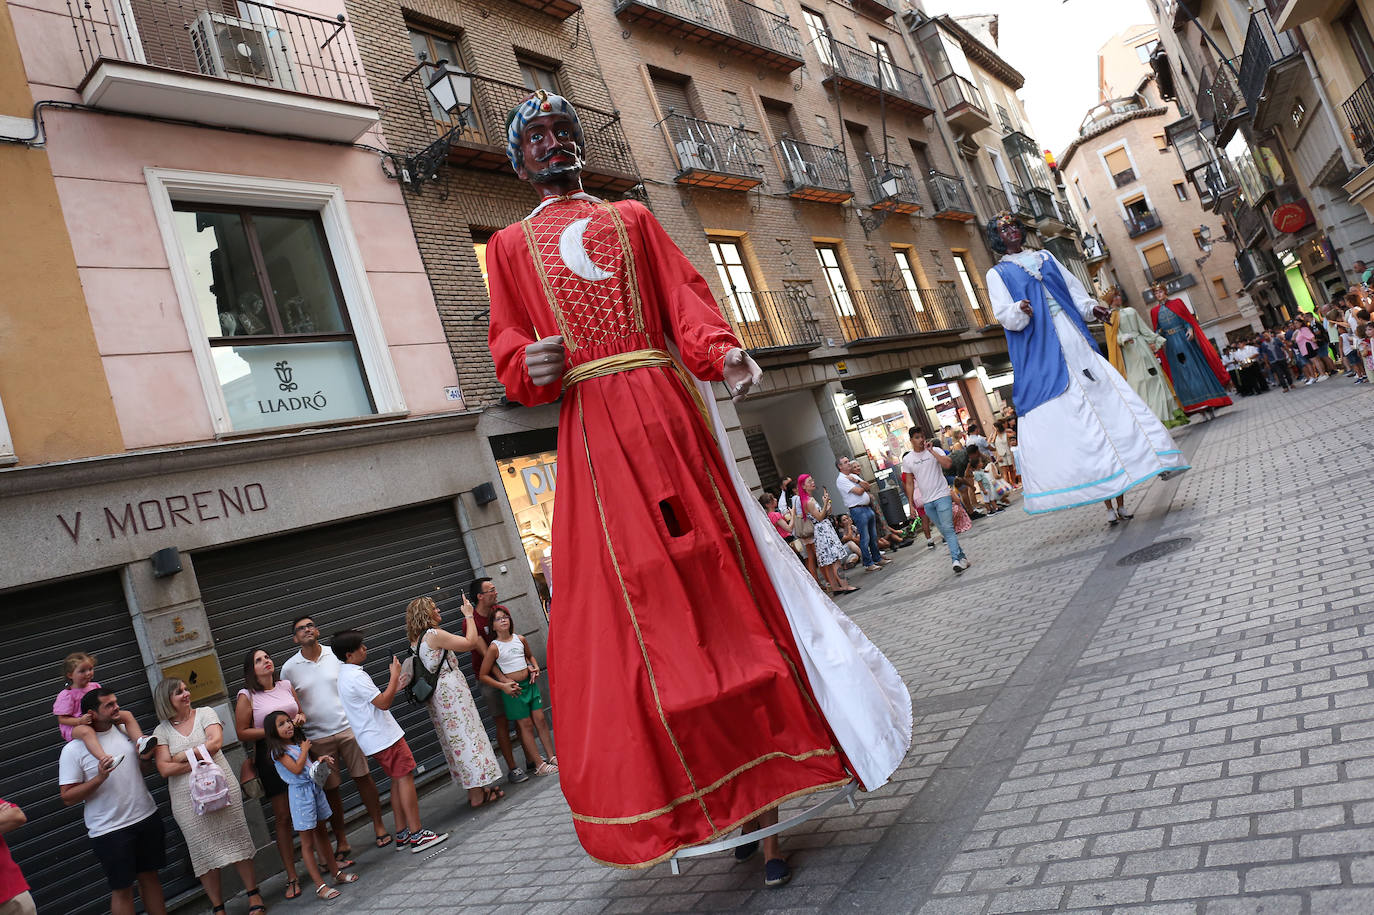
{"x": 243, "y": 50}
{"x": 696, "y": 156}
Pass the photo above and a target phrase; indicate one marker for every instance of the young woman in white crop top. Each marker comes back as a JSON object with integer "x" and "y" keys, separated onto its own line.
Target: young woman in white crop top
{"x": 510, "y": 666}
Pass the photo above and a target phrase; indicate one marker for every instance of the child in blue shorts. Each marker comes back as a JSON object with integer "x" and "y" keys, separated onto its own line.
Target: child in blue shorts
{"x": 309, "y": 809}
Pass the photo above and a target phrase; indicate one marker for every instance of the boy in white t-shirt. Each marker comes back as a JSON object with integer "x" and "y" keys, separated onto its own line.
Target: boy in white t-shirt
{"x": 380, "y": 736}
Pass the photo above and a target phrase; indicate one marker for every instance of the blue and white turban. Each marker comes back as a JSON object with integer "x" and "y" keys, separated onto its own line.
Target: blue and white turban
{"x": 538, "y": 104}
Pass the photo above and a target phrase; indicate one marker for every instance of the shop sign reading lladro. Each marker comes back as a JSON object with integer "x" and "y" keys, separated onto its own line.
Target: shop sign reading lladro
{"x": 291, "y": 384}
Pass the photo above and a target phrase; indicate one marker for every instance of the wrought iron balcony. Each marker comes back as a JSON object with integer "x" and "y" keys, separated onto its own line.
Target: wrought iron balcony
{"x": 772, "y": 320}
{"x": 865, "y": 75}
{"x": 478, "y": 139}
{"x": 870, "y": 315}
{"x": 713, "y": 155}
{"x": 1021, "y": 205}
{"x": 943, "y": 310}
{"x": 1228, "y": 103}
{"x": 1271, "y": 69}
{"x": 1162, "y": 271}
{"x": 996, "y": 199}
{"x": 949, "y": 198}
{"x": 1254, "y": 267}
{"x": 886, "y": 177}
{"x": 1004, "y": 118}
{"x": 1123, "y": 178}
{"x": 254, "y": 66}
{"x": 1248, "y": 223}
{"x": 962, "y": 104}
{"x": 1138, "y": 222}
{"x": 1094, "y": 250}
{"x": 1359, "y": 113}
{"x": 816, "y": 173}
{"x": 735, "y": 26}
{"x": 1049, "y": 214}
{"x": 877, "y": 9}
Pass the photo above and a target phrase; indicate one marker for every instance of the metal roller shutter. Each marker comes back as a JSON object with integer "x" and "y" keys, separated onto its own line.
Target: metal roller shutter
{"x": 38, "y": 628}
{"x": 355, "y": 575}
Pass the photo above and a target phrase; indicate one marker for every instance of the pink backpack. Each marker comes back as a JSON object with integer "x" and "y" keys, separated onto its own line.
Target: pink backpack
{"x": 209, "y": 787}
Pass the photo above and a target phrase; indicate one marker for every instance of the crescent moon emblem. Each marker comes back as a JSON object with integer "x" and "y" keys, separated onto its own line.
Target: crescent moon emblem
{"x": 574, "y": 253}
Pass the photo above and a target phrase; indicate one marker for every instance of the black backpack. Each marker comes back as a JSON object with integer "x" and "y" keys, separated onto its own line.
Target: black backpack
{"x": 423, "y": 683}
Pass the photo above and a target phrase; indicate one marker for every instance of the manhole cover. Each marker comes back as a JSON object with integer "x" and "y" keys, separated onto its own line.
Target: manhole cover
{"x": 1154, "y": 551}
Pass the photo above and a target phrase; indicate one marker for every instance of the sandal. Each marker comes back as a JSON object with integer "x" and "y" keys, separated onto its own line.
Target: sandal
{"x": 325, "y": 891}
{"x": 384, "y": 840}
{"x": 341, "y": 877}
{"x": 293, "y": 889}
{"x": 255, "y": 908}
{"x": 341, "y": 858}
{"x": 218, "y": 908}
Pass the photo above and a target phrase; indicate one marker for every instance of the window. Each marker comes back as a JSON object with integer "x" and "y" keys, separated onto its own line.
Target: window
{"x": 1357, "y": 33}
{"x": 885, "y": 65}
{"x": 739, "y": 291}
{"x": 971, "y": 291}
{"x": 480, "y": 237}
{"x": 1087, "y": 204}
{"x": 1181, "y": 189}
{"x": 539, "y": 76}
{"x": 1219, "y": 287}
{"x": 270, "y": 303}
{"x": 1117, "y": 161}
{"x": 1202, "y": 245}
{"x": 908, "y": 278}
{"x": 674, "y": 96}
{"x": 434, "y": 48}
{"x": 1161, "y": 143}
{"x": 1143, "y": 51}
{"x": 820, "y": 36}
{"x": 1157, "y": 261}
{"x": 829, "y": 256}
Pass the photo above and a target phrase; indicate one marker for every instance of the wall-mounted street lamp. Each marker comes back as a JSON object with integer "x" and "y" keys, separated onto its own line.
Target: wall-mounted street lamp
{"x": 447, "y": 89}
{"x": 451, "y": 89}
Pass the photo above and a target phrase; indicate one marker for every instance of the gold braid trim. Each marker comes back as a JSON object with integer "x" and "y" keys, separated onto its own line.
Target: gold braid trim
{"x": 696, "y": 795}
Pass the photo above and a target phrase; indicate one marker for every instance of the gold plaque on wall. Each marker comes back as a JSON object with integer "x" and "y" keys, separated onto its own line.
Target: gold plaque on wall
{"x": 201, "y": 675}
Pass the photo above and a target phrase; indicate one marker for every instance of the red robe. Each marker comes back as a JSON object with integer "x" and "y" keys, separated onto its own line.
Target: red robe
{"x": 1208, "y": 353}
{"x": 682, "y": 705}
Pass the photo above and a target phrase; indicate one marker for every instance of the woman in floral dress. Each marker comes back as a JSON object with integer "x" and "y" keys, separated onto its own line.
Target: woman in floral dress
{"x": 467, "y": 749}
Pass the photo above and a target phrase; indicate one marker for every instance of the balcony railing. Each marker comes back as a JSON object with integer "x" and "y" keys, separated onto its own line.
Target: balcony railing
{"x": 962, "y": 103}
{"x": 1021, "y": 204}
{"x": 478, "y": 140}
{"x": 943, "y": 310}
{"x": 1140, "y": 222}
{"x": 1004, "y": 118}
{"x": 736, "y": 26}
{"x": 1162, "y": 271}
{"x": 907, "y": 198}
{"x": 713, "y": 155}
{"x": 878, "y": 9}
{"x": 950, "y": 198}
{"x": 768, "y": 320}
{"x": 996, "y": 199}
{"x": 876, "y": 314}
{"x": 1266, "y": 53}
{"x": 817, "y": 173}
{"x": 1094, "y": 249}
{"x": 865, "y": 74}
{"x": 1248, "y": 223}
{"x": 1046, "y": 210}
{"x": 1253, "y": 265}
{"x": 1359, "y": 113}
{"x": 1124, "y": 177}
{"x": 1228, "y": 102}
{"x": 235, "y": 58}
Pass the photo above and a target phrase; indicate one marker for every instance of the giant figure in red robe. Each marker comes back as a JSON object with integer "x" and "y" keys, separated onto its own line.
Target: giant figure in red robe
{"x": 684, "y": 704}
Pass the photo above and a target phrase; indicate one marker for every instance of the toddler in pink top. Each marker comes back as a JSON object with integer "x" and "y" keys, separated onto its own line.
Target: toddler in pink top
{"x": 74, "y": 724}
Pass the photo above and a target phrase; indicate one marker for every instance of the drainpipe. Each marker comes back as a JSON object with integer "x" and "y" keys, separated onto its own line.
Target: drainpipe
{"x": 1342, "y": 135}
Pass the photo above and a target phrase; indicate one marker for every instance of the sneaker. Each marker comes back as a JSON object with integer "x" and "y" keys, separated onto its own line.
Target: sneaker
{"x": 960, "y": 564}
{"x": 776, "y": 872}
{"x": 118, "y": 758}
{"x": 146, "y": 744}
{"x": 423, "y": 839}
{"x": 930, "y": 544}
{"x": 1323, "y": 377}
{"x": 518, "y": 775}
{"x": 1124, "y": 515}
{"x": 1307, "y": 381}
{"x": 403, "y": 840}
{"x": 747, "y": 850}
{"x": 1112, "y": 518}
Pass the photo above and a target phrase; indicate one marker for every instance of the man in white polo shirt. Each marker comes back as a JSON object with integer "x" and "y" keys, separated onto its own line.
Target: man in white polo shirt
{"x": 858, "y": 502}
{"x": 314, "y": 673}
{"x": 925, "y": 468}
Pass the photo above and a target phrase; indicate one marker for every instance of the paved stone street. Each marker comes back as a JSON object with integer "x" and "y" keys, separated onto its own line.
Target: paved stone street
{"x": 1192, "y": 734}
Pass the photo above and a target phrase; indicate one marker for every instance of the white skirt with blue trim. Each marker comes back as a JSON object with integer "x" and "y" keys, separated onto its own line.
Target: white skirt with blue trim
{"x": 1094, "y": 441}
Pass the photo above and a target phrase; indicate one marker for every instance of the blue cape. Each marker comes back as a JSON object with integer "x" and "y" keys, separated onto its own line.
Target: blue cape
{"x": 1036, "y": 358}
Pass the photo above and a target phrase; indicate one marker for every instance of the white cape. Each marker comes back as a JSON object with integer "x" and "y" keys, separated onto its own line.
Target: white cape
{"x": 860, "y": 693}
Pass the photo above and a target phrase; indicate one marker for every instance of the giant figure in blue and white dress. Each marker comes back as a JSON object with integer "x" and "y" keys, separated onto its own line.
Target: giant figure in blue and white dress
{"x": 1085, "y": 436}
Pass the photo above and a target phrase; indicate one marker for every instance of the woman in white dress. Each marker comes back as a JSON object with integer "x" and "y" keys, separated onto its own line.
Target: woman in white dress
{"x": 467, "y": 750}
{"x": 1084, "y": 435}
{"x": 214, "y": 839}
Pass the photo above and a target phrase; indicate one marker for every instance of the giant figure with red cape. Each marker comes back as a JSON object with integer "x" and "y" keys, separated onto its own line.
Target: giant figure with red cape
{"x": 1193, "y": 366}
{"x": 699, "y": 677}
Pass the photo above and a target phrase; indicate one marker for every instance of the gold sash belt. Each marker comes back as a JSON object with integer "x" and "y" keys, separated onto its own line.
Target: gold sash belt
{"x": 636, "y": 359}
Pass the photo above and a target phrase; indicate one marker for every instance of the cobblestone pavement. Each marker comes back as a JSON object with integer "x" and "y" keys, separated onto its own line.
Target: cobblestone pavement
{"x": 1192, "y": 734}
